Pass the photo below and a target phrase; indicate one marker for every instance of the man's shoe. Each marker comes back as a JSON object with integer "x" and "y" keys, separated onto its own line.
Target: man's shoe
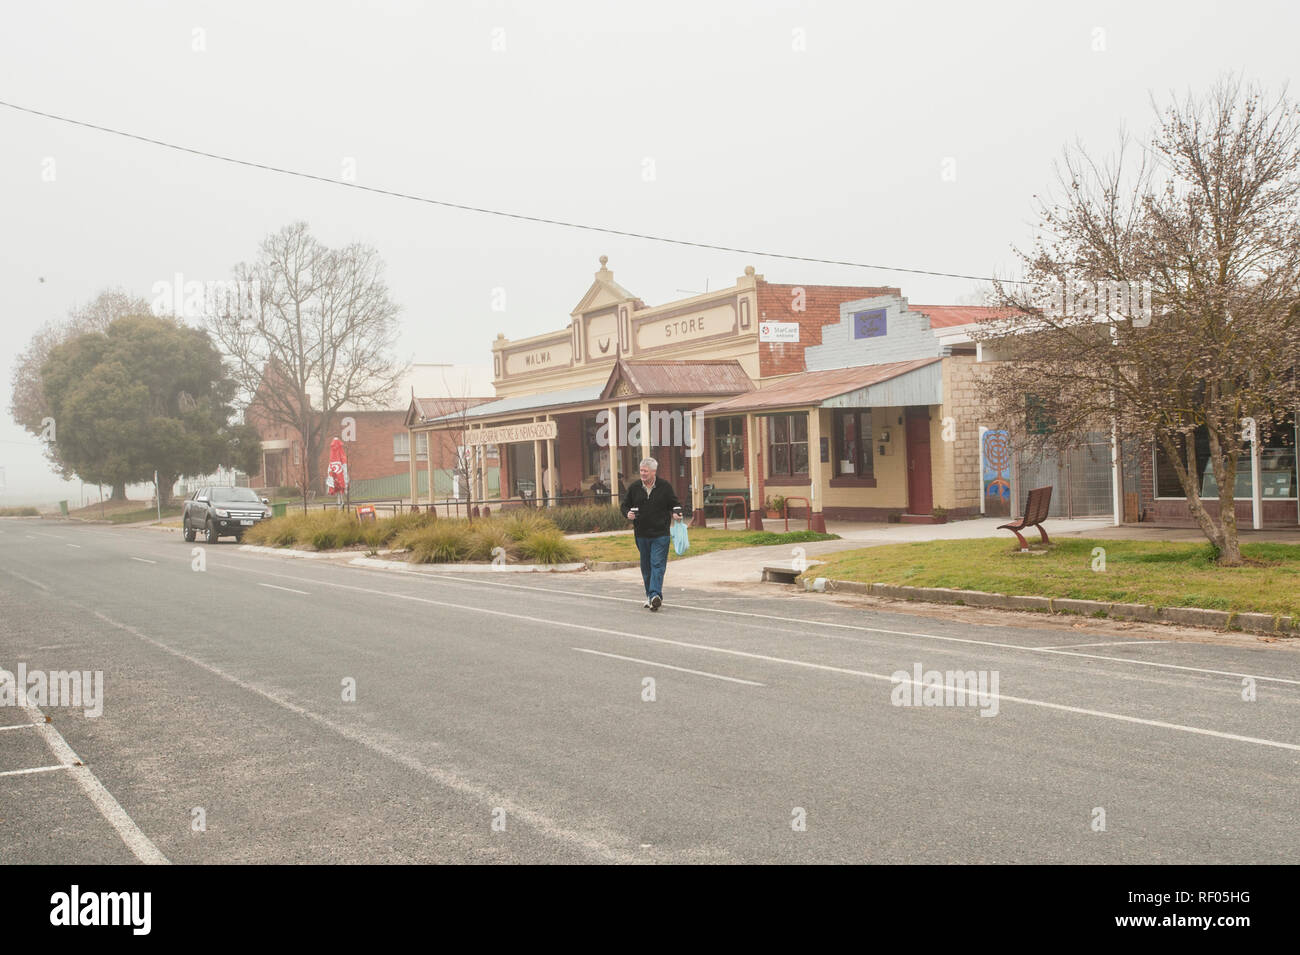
{"x": 655, "y": 602}
{"x": 646, "y": 604}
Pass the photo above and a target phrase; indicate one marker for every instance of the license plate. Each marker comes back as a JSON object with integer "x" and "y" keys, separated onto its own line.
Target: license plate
{"x": 247, "y": 523}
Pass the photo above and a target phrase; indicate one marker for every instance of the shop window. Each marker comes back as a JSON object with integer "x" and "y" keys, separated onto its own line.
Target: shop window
{"x": 402, "y": 446}
{"x": 729, "y": 444}
{"x": 1277, "y": 468}
{"x": 787, "y": 445}
{"x": 853, "y": 448}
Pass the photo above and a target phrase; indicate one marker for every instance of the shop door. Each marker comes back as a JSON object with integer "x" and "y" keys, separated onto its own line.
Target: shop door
{"x": 919, "y": 497}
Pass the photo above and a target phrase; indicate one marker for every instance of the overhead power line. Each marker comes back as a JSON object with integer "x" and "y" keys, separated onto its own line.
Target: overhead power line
{"x": 491, "y": 212}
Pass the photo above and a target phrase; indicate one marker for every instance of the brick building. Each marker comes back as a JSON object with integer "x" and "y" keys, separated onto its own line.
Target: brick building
{"x": 377, "y": 441}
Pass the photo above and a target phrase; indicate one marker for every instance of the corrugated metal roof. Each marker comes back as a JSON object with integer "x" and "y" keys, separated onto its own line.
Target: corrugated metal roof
{"x": 435, "y": 407}
{"x": 520, "y": 403}
{"x": 949, "y": 316}
{"x": 815, "y": 387}
{"x": 660, "y": 378}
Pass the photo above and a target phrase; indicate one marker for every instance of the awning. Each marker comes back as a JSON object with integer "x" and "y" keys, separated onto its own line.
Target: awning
{"x": 893, "y": 384}
{"x": 523, "y": 404}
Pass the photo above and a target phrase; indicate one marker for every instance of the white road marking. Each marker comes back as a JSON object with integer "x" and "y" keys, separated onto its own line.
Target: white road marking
{"x": 27, "y": 580}
{"x": 78, "y": 546}
{"x": 1102, "y": 714}
{"x": 805, "y": 623}
{"x": 288, "y": 589}
{"x": 144, "y": 561}
{"x": 447, "y": 777}
{"x": 35, "y": 769}
{"x": 1111, "y": 643}
{"x": 103, "y": 800}
{"x": 667, "y": 666}
{"x": 18, "y": 726}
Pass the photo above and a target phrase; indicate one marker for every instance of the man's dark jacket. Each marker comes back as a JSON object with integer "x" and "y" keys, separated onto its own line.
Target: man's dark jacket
{"x": 656, "y": 510}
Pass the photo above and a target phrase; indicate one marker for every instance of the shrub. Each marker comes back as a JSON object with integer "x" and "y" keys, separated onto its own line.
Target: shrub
{"x": 485, "y": 537}
{"x": 441, "y": 542}
{"x": 19, "y": 512}
{"x": 524, "y": 523}
{"x": 288, "y": 491}
{"x": 548, "y": 547}
{"x": 588, "y": 518}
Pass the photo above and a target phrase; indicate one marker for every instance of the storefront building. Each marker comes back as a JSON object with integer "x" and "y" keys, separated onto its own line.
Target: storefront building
{"x": 859, "y": 409}
{"x": 621, "y": 362}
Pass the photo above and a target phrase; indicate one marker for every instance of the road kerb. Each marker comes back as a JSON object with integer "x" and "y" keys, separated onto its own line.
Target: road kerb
{"x": 1276, "y": 624}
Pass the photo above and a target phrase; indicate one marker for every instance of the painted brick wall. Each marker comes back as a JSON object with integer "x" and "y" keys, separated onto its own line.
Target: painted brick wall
{"x": 776, "y": 303}
{"x": 907, "y": 336}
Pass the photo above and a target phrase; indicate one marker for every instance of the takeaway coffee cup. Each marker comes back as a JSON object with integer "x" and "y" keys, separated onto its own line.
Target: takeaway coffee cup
{"x": 635, "y": 512}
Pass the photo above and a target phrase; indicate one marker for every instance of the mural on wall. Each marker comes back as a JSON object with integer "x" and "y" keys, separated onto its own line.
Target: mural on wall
{"x": 995, "y": 466}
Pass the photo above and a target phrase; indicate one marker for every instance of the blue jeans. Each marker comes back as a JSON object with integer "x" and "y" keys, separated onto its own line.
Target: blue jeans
{"x": 654, "y": 560}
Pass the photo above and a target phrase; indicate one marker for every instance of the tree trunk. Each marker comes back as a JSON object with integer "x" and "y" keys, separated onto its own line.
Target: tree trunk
{"x": 119, "y": 492}
{"x": 165, "y": 484}
{"x": 1225, "y": 473}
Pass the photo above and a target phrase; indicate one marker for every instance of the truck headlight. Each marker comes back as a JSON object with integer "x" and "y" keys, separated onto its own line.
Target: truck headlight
{"x": 220, "y": 512}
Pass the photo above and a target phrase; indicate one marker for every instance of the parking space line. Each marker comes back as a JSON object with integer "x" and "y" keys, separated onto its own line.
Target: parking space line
{"x": 668, "y": 666}
{"x": 136, "y": 841}
{"x": 144, "y": 561}
{"x": 34, "y": 769}
{"x": 19, "y": 726}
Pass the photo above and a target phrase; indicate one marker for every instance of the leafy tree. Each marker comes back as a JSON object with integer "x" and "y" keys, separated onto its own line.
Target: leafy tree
{"x": 27, "y": 400}
{"x": 145, "y": 394}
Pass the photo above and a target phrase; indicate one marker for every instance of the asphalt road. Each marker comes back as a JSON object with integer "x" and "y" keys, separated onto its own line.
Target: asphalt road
{"x": 504, "y": 718}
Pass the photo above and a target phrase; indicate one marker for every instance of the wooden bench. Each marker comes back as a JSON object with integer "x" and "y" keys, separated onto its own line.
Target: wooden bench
{"x": 1036, "y": 507}
{"x": 714, "y": 496}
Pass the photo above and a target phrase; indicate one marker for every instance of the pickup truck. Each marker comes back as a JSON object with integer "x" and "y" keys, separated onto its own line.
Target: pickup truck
{"x": 222, "y": 512}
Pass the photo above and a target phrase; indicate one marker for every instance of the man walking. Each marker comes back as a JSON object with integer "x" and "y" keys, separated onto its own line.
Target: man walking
{"x": 651, "y": 504}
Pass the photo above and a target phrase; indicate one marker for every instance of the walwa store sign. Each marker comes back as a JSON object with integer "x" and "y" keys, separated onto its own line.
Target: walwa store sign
{"x": 533, "y": 431}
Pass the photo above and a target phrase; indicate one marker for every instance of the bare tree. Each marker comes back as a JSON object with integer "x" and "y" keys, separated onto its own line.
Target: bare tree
{"x": 28, "y": 404}
{"x": 313, "y": 330}
{"x": 1164, "y": 299}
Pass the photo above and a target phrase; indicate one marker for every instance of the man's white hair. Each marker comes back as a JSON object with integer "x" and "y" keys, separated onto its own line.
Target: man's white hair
{"x": 650, "y": 463}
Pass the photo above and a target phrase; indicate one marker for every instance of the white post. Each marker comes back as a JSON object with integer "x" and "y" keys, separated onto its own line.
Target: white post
{"x": 980, "y": 460}
{"x": 550, "y": 468}
{"x": 614, "y": 424}
{"x": 1116, "y": 483}
{"x": 1256, "y": 493}
{"x": 157, "y": 491}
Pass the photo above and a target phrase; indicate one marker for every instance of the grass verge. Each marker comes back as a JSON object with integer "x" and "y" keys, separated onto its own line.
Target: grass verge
{"x": 1158, "y": 573}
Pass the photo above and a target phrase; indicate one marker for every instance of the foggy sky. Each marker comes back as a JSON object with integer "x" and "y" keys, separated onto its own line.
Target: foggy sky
{"x": 813, "y": 128}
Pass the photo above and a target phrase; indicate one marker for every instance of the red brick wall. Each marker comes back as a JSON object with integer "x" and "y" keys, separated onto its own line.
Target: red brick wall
{"x": 821, "y": 307}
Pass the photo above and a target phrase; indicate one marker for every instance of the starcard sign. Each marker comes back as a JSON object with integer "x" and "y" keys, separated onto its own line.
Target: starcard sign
{"x": 505, "y": 434}
{"x": 778, "y": 332}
